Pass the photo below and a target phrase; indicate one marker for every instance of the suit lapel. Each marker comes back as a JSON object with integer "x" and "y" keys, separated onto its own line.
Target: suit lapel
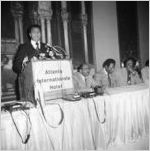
{"x": 31, "y": 48}
{"x": 33, "y": 52}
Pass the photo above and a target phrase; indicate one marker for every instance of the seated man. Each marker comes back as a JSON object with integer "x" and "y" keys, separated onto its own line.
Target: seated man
{"x": 145, "y": 72}
{"x": 82, "y": 79}
{"x": 128, "y": 75}
{"x": 106, "y": 77}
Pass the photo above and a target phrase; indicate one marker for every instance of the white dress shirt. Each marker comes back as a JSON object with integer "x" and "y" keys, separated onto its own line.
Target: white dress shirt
{"x": 105, "y": 71}
{"x": 35, "y": 45}
{"x": 83, "y": 78}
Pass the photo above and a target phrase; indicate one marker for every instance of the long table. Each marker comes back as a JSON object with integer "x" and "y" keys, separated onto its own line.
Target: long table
{"x": 121, "y": 116}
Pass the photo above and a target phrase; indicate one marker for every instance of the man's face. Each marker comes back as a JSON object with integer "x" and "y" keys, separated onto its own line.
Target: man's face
{"x": 85, "y": 70}
{"x": 129, "y": 65}
{"x": 110, "y": 69}
{"x": 35, "y": 34}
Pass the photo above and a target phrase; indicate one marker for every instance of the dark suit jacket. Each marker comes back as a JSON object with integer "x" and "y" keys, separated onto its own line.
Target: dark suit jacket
{"x": 24, "y": 50}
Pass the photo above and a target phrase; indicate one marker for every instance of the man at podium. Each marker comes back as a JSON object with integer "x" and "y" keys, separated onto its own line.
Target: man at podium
{"x": 29, "y": 50}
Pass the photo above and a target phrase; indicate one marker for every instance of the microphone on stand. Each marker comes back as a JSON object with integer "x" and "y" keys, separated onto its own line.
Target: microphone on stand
{"x": 59, "y": 52}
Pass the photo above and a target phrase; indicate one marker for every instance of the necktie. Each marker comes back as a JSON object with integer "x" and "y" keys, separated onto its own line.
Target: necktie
{"x": 37, "y": 46}
{"x": 129, "y": 78}
{"x": 109, "y": 80}
{"x": 86, "y": 84}
{"x": 37, "y": 50}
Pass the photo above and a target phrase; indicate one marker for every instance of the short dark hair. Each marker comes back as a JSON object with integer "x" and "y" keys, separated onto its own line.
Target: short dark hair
{"x": 81, "y": 66}
{"x": 132, "y": 59}
{"x": 147, "y": 63}
{"x": 108, "y": 62}
{"x": 31, "y": 27}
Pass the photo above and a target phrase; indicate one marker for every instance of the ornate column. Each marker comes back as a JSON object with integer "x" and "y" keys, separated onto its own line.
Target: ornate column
{"x": 21, "y": 29}
{"x": 84, "y": 24}
{"x": 17, "y": 12}
{"x": 49, "y": 35}
{"x": 33, "y": 12}
{"x": 65, "y": 16}
{"x": 16, "y": 28}
{"x": 34, "y": 17}
{"x": 42, "y": 21}
{"x": 45, "y": 14}
{"x": 48, "y": 24}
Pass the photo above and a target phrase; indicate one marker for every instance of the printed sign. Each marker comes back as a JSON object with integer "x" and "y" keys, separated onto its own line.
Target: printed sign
{"x": 53, "y": 77}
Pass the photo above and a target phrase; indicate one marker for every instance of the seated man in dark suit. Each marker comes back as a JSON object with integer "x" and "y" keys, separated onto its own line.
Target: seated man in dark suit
{"x": 32, "y": 49}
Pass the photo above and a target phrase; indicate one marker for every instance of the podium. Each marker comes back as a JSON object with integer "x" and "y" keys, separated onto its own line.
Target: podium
{"x": 53, "y": 77}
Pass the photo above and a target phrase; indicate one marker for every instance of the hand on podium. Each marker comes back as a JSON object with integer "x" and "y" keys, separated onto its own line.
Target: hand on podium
{"x": 34, "y": 59}
{"x": 41, "y": 56}
{"x": 24, "y": 63}
{"x": 25, "y": 60}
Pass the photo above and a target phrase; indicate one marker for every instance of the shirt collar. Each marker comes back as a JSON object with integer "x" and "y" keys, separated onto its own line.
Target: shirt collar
{"x": 105, "y": 71}
{"x": 83, "y": 77}
{"x": 34, "y": 43}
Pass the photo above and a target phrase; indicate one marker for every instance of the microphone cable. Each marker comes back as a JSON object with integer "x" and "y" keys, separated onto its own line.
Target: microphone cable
{"x": 27, "y": 116}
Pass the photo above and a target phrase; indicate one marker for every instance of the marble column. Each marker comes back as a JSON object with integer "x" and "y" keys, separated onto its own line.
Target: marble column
{"x": 16, "y": 29}
{"x": 42, "y": 20}
{"x": 65, "y": 16}
{"x": 34, "y": 17}
{"x": 84, "y": 25}
{"x": 45, "y": 14}
{"x": 17, "y": 12}
{"x": 48, "y": 24}
{"x": 21, "y": 29}
{"x": 49, "y": 35}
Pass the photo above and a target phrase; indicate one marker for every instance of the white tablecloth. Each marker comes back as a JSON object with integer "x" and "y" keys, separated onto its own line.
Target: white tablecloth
{"x": 127, "y": 119}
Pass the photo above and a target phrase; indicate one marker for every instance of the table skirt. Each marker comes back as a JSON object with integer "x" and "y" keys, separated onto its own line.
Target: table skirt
{"x": 94, "y": 123}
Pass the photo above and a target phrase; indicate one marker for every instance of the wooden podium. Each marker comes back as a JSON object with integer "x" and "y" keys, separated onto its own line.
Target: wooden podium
{"x": 53, "y": 76}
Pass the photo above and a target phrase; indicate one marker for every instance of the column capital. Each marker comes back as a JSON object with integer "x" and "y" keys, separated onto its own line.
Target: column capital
{"x": 45, "y": 10}
{"x": 33, "y": 12}
{"x": 34, "y": 16}
{"x": 16, "y": 9}
{"x": 64, "y": 15}
{"x": 84, "y": 19}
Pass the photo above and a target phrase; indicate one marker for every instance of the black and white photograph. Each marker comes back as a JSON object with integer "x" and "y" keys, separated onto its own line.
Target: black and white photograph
{"x": 74, "y": 75}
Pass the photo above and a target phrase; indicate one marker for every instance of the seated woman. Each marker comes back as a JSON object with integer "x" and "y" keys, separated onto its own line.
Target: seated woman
{"x": 128, "y": 75}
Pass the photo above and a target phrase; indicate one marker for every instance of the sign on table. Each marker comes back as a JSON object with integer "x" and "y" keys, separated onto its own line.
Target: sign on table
{"x": 54, "y": 77}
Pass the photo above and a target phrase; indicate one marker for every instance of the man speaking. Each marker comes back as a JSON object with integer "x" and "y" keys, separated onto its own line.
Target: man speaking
{"x": 33, "y": 49}
{"x": 30, "y": 50}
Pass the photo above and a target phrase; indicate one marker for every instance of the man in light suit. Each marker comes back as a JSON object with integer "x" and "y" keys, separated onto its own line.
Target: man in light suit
{"x": 128, "y": 75}
{"x": 82, "y": 79}
{"x": 106, "y": 77}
